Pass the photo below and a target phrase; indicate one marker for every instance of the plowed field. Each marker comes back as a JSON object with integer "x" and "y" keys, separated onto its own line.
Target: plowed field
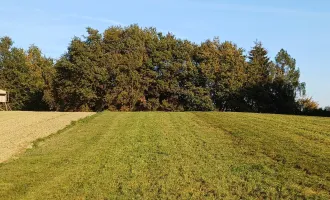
{"x": 19, "y": 129}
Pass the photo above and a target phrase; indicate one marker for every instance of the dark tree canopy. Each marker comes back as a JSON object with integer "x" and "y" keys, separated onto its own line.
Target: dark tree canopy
{"x": 26, "y": 75}
{"x": 135, "y": 69}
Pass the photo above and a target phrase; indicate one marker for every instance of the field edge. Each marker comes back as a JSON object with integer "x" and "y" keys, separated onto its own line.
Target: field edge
{"x": 36, "y": 143}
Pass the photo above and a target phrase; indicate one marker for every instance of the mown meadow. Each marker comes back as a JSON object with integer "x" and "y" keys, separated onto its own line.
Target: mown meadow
{"x": 183, "y": 155}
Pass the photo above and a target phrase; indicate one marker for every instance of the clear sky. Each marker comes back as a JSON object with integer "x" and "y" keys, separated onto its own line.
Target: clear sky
{"x": 299, "y": 26}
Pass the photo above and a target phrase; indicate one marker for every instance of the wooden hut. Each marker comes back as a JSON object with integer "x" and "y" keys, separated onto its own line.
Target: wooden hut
{"x": 4, "y": 99}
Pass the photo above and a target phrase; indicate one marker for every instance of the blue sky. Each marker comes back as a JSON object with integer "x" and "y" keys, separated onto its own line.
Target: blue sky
{"x": 299, "y": 26}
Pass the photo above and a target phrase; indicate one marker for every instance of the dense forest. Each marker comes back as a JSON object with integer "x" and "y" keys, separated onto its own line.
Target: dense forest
{"x": 136, "y": 69}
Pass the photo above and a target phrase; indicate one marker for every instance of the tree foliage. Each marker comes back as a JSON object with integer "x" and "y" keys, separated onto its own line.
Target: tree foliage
{"x": 26, "y": 75}
{"x": 135, "y": 69}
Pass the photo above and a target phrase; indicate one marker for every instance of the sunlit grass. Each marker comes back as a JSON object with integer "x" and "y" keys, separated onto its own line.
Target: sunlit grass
{"x": 196, "y": 155}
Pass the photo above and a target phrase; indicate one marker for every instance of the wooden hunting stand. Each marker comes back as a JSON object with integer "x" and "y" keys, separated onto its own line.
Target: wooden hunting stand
{"x": 4, "y": 100}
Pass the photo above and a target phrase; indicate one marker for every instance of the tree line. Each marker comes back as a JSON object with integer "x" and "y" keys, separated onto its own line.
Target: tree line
{"x": 139, "y": 69}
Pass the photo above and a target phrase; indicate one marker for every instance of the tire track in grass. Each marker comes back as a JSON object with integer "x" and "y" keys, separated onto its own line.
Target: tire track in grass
{"x": 306, "y": 143}
{"x": 246, "y": 174}
{"x": 105, "y": 152}
{"x": 189, "y": 159}
{"x": 212, "y": 156}
{"x": 283, "y": 134}
{"x": 156, "y": 155}
{"x": 120, "y": 163}
{"x": 321, "y": 130}
{"x": 262, "y": 128}
{"x": 168, "y": 155}
{"x": 285, "y": 151}
{"x": 43, "y": 168}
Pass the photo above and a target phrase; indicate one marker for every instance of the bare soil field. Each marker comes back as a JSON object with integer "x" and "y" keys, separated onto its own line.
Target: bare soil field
{"x": 19, "y": 129}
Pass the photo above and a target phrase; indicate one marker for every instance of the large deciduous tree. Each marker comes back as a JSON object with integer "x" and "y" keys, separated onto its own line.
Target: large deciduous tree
{"x": 27, "y": 76}
{"x": 81, "y": 75}
{"x": 135, "y": 69}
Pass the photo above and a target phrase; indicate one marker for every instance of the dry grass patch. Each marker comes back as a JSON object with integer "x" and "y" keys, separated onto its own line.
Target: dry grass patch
{"x": 19, "y": 129}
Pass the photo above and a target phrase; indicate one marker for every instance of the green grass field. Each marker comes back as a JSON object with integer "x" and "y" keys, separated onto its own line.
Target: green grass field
{"x": 192, "y": 155}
